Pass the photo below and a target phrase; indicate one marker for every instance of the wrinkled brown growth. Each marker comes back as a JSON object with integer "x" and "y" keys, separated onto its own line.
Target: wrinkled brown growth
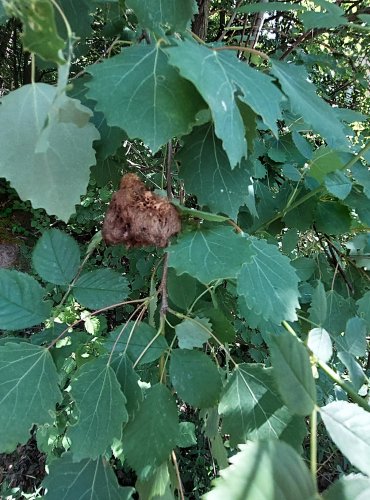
{"x": 137, "y": 217}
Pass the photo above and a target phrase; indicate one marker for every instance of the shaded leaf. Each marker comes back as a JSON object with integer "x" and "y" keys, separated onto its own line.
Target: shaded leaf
{"x": 324, "y": 162}
{"x": 154, "y": 429}
{"x": 318, "y": 309}
{"x": 128, "y": 380}
{"x": 170, "y": 14}
{"x": 187, "y": 436}
{"x": 218, "y": 75}
{"x": 92, "y": 479}
{"x": 157, "y": 486}
{"x": 100, "y": 408}
{"x": 193, "y": 333}
{"x": 100, "y": 288}
{"x": 195, "y": 378}
{"x": 181, "y": 290}
{"x": 264, "y": 470}
{"x": 56, "y": 257}
{"x": 147, "y": 97}
{"x": 268, "y": 284}
{"x": 332, "y": 217}
{"x": 209, "y": 253}
{"x": 48, "y": 160}
{"x": 292, "y": 371}
{"x": 135, "y": 340}
{"x": 251, "y": 407}
{"x": 304, "y": 101}
{"x": 348, "y": 426}
{"x": 338, "y": 184}
{"x": 21, "y": 301}
{"x": 355, "y": 371}
{"x": 355, "y": 336}
{"x": 28, "y": 391}
{"x": 206, "y": 171}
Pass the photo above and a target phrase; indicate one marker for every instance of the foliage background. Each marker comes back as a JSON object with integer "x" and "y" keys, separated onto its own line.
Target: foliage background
{"x": 240, "y": 351}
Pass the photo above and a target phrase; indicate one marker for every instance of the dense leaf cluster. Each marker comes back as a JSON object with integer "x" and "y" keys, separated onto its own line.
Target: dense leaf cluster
{"x": 255, "y": 319}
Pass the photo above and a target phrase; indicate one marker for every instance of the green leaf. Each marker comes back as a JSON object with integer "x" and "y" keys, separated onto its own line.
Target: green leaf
{"x": 305, "y": 102}
{"x": 324, "y": 161}
{"x": 169, "y": 14}
{"x": 157, "y": 486}
{"x": 21, "y": 301}
{"x": 324, "y": 20}
{"x": 100, "y": 288}
{"x": 146, "y": 96}
{"x": 222, "y": 328}
{"x": 338, "y": 184}
{"x": 270, "y": 7}
{"x": 251, "y": 407}
{"x": 355, "y": 336}
{"x": 187, "y": 436}
{"x": 154, "y": 429}
{"x": 268, "y": 284}
{"x": 29, "y": 390}
{"x": 206, "y": 172}
{"x": 40, "y": 33}
{"x": 264, "y": 470}
{"x": 135, "y": 339}
{"x": 319, "y": 307}
{"x": 361, "y": 204}
{"x": 195, "y": 378}
{"x": 332, "y": 217}
{"x": 351, "y": 487}
{"x": 128, "y": 380}
{"x": 110, "y": 137}
{"x": 182, "y": 290}
{"x": 93, "y": 479}
{"x": 305, "y": 267}
{"x": 193, "y": 333}
{"x": 355, "y": 371}
{"x": 348, "y": 426}
{"x": 56, "y": 257}
{"x": 78, "y": 15}
{"x": 340, "y": 310}
{"x": 48, "y": 160}
{"x": 100, "y": 408}
{"x": 293, "y": 374}
{"x": 362, "y": 176}
{"x": 209, "y": 253}
{"x": 320, "y": 344}
{"x": 218, "y": 75}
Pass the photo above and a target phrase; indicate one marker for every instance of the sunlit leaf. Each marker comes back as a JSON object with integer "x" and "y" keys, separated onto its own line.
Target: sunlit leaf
{"x": 349, "y": 427}
{"x": 147, "y": 97}
{"x": 264, "y": 470}
{"x": 218, "y": 75}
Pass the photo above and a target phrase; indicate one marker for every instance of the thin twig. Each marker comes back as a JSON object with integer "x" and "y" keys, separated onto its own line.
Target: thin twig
{"x": 230, "y": 22}
{"x": 163, "y": 286}
{"x": 179, "y": 482}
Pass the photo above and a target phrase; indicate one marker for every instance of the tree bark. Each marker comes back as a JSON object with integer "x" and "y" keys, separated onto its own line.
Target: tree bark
{"x": 200, "y": 23}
